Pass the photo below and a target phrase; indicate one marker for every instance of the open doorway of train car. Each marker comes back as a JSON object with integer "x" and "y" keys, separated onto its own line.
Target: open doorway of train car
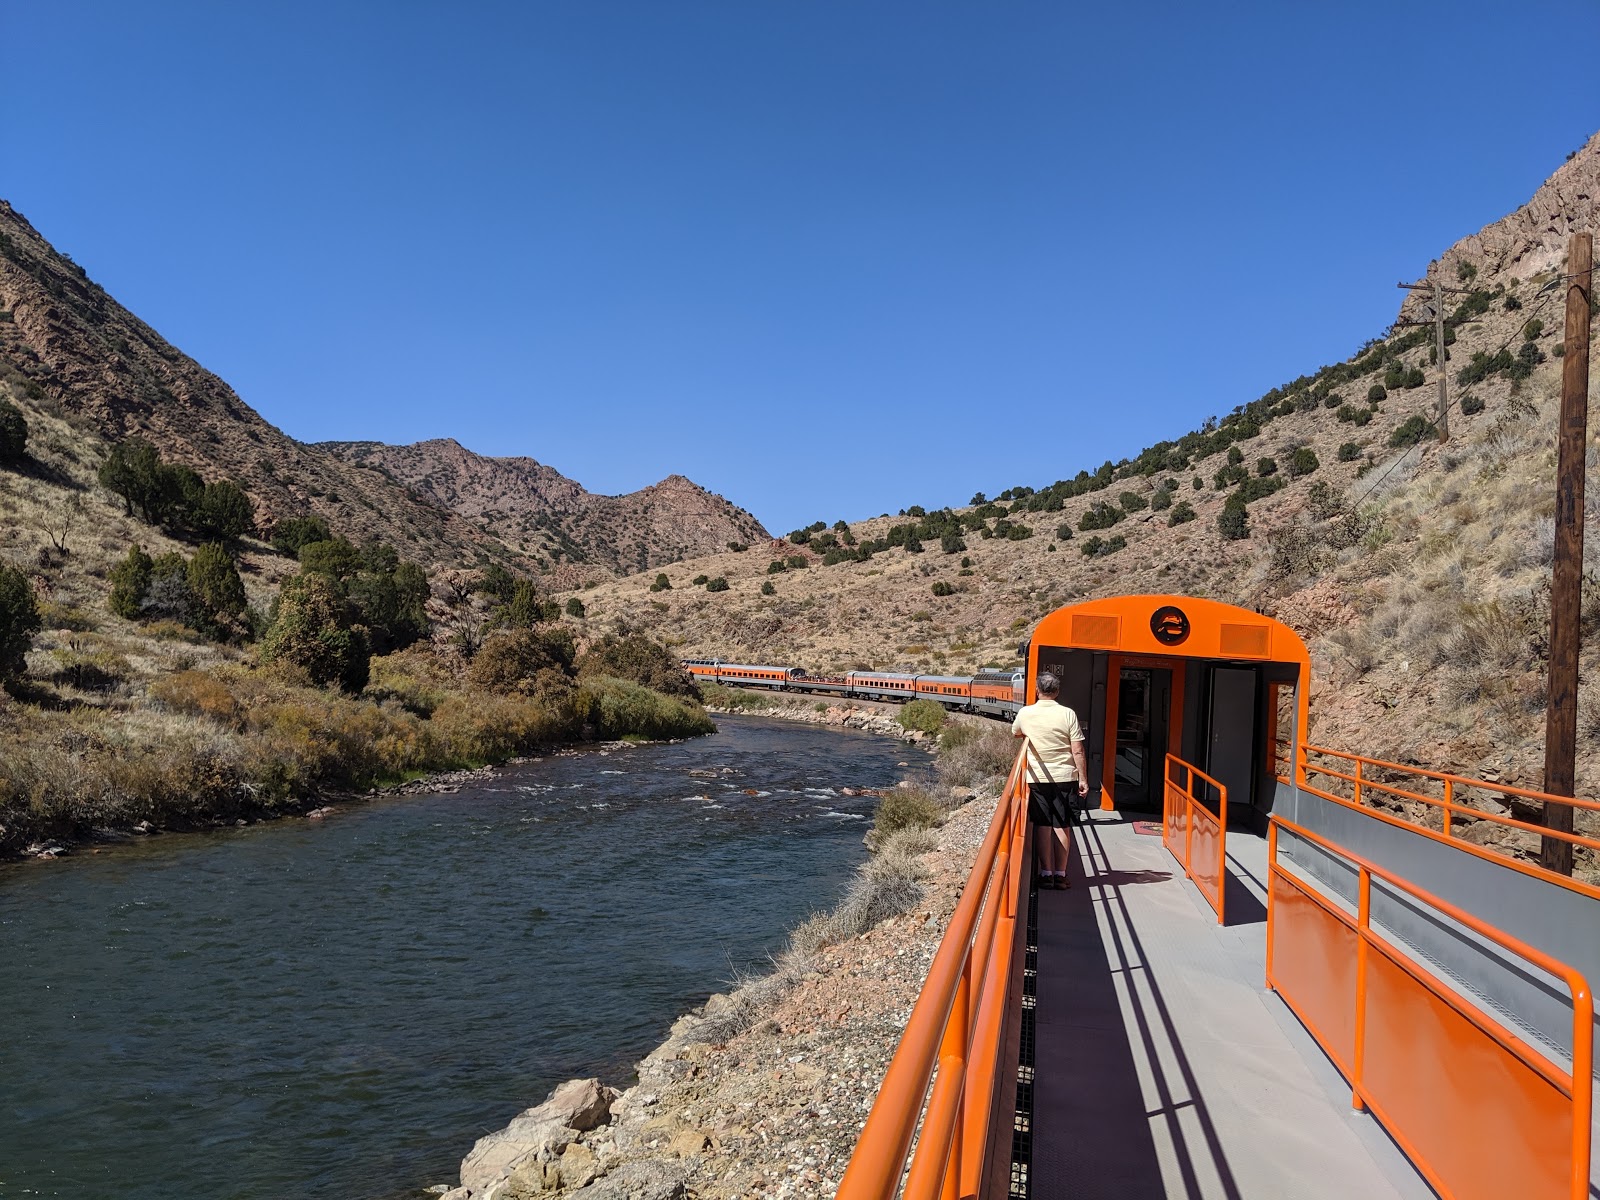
{"x": 1143, "y": 706}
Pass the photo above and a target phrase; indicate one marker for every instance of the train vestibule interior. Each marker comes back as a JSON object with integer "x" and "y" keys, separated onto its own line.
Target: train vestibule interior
{"x": 1234, "y": 720}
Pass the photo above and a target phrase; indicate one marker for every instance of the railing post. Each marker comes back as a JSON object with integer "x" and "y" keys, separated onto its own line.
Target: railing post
{"x": 1222, "y": 853}
{"x": 1449, "y": 804}
{"x": 1358, "y": 781}
{"x": 1363, "y": 918}
{"x": 1272, "y": 868}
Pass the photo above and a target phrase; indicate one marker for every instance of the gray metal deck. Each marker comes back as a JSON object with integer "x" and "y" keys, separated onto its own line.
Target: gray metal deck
{"x": 1163, "y": 1067}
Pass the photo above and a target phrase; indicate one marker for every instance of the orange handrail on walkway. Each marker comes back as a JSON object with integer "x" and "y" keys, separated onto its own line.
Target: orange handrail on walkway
{"x": 1182, "y": 811}
{"x": 955, "y": 1025}
{"x": 1450, "y": 805}
{"x": 1481, "y": 1113}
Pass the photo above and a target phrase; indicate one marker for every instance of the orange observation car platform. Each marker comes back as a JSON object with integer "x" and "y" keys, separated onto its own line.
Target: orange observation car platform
{"x": 1266, "y": 981}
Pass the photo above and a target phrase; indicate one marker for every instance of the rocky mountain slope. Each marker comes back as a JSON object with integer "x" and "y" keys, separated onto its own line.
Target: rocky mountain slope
{"x": 534, "y": 509}
{"x": 71, "y": 347}
{"x": 1417, "y": 571}
{"x": 68, "y": 346}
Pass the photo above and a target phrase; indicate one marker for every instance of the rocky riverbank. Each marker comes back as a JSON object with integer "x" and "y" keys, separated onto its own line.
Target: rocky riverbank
{"x": 762, "y": 1092}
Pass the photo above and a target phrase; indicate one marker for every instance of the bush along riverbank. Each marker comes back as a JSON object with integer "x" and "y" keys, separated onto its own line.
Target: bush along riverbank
{"x": 762, "y": 1091}
{"x": 235, "y": 741}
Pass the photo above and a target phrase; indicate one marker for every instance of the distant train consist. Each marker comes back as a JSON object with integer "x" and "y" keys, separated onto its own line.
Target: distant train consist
{"x": 992, "y": 693}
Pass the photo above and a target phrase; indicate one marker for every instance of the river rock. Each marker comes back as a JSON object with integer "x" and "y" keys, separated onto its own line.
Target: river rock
{"x": 539, "y": 1135}
{"x": 647, "y": 1179}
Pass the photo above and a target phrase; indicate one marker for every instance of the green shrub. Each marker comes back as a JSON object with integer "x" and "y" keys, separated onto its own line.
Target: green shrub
{"x": 1259, "y": 488}
{"x": 905, "y": 808}
{"x": 1353, "y": 415}
{"x": 663, "y": 584}
{"x": 952, "y": 543}
{"x": 1349, "y": 452}
{"x": 1235, "y": 456}
{"x": 767, "y": 589}
{"x": 1302, "y": 462}
{"x": 19, "y": 620}
{"x": 1098, "y": 547}
{"x": 526, "y": 609}
{"x": 1099, "y": 515}
{"x": 1376, "y": 394}
{"x": 942, "y": 588}
{"x": 1266, "y": 466}
{"x": 337, "y": 558}
{"x": 1512, "y": 304}
{"x": 575, "y": 608}
{"x": 13, "y": 433}
{"x": 1233, "y": 522}
{"x": 1132, "y": 502}
{"x": 1016, "y": 532}
{"x": 1063, "y": 534}
{"x": 1161, "y": 500}
{"x": 719, "y": 584}
{"x": 700, "y": 580}
{"x": 312, "y": 632}
{"x": 776, "y": 567}
{"x": 224, "y": 512}
{"x": 1466, "y": 272}
{"x": 130, "y": 583}
{"x": 795, "y": 562}
{"x": 1410, "y": 431}
{"x": 1199, "y": 484}
{"x": 1471, "y": 405}
{"x": 618, "y": 708}
{"x": 217, "y": 589}
{"x": 1182, "y": 513}
{"x": 289, "y": 535}
{"x": 926, "y": 715}
{"x": 1332, "y": 400}
{"x": 638, "y": 659}
{"x": 495, "y": 582}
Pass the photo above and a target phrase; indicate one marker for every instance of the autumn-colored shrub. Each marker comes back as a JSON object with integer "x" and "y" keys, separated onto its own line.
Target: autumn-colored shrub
{"x": 197, "y": 694}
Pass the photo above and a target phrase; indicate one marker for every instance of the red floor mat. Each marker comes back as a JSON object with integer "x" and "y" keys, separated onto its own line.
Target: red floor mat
{"x": 1148, "y": 828}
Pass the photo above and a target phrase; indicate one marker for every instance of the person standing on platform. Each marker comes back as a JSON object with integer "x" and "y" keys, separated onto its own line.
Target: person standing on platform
{"x": 1055, "y": 763}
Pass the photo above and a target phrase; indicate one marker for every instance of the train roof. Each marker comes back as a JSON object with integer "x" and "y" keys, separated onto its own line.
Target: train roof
{"x": 1007, "y": 673}
{"x": 944, "y": 678}
{"x": 756, "y": 667}
{"x": 881, "y": 675}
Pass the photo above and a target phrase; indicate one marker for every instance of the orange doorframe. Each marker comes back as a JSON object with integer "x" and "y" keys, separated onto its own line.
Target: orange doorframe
{"x": 1114, "y": 665}
{"x": 1108, "y": 766}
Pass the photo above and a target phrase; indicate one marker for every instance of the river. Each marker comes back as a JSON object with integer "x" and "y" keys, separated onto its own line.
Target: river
{"x": 339, "y": 1008}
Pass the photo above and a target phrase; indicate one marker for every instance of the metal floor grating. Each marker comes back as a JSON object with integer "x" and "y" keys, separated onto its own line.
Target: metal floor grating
{"x": 1022, "y": 1128}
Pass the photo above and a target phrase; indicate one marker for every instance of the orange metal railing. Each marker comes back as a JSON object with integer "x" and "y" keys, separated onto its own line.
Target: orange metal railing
{"x": 1202, "y": 834}
{"x": 1453, "y": 804}
{"x": 1482, "y": 1113}
{"x": 955, "y": 1025}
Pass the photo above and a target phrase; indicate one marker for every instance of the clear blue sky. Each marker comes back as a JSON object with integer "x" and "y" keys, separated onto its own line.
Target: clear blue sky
{"x": 829, "y": 259}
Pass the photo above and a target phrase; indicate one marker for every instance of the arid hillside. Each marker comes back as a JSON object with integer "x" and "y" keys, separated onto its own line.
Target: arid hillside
{"x": 68, "y": 345}
{"x": 1418, "y": 571}
{"x": 534, "y": 509}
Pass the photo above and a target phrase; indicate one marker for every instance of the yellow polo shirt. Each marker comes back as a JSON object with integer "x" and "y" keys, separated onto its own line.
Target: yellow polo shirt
{"x": 1051, "y": 729}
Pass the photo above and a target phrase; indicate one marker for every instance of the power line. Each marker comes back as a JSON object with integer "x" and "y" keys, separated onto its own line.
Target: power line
{"x": 1467, "y": 391}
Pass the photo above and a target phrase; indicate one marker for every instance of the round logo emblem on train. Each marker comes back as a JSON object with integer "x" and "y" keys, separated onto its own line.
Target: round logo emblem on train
{"x": 1170, "y": 624}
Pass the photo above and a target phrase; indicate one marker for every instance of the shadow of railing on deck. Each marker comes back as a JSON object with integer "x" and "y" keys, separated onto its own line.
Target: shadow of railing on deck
{"x": 1102, "y": 1139}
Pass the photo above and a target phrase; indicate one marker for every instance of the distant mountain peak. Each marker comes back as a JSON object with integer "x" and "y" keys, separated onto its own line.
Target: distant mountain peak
{"x": 534, "y": 509}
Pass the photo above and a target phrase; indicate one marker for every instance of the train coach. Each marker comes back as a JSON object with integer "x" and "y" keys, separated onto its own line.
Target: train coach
{"x": 991, "y": 692}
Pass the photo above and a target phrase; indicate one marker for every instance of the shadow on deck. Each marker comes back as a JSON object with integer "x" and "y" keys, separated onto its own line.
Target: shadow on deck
{"x": 1163, "y": 1067}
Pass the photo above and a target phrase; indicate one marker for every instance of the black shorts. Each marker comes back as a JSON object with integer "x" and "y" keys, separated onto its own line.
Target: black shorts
{"x": 1051, "y": 804}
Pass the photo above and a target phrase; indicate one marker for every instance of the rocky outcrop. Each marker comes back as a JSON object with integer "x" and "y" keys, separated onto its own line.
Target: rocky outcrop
{"x": 527, "y": 503}
{"x": 1533, "y": 239}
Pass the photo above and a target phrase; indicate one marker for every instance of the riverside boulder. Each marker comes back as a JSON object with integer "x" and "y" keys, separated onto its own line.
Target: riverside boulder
{"x": 537, "y": 1136}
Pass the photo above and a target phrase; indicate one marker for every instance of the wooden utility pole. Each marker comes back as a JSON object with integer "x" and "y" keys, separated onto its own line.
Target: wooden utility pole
{"x": 1444, "y": 371}
{"x": 1561, "y": 715}
{"x": 1442, "y": 419}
